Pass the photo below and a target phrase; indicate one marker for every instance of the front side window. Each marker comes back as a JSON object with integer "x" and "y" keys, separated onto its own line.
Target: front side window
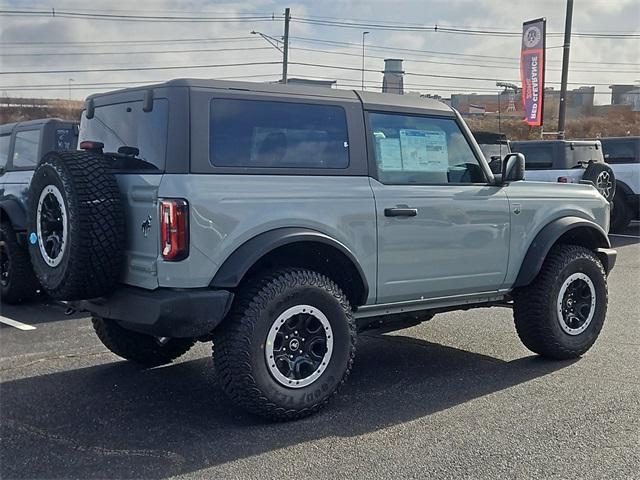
{"x": 411, "y": 149}
{"x": 266, "y": 134}
{"x": 4, "y": 149}
{"x": 25, "y": 150}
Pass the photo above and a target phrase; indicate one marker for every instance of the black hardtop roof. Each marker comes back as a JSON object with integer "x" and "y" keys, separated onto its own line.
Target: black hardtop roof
{"x": 373, "y": 99}
{"x": 8, "y": 127}
{"x": 630, "y": 137}
{"x": 556, "y": 142}
{"x": 483, "y": 136}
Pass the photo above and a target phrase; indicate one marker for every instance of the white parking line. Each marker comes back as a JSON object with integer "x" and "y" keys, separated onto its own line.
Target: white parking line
{"x": 18, "y": 325}
{"x": 625, "y": 236}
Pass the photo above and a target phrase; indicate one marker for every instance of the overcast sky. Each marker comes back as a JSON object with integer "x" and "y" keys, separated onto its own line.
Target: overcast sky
{"x": 437, "y": 53}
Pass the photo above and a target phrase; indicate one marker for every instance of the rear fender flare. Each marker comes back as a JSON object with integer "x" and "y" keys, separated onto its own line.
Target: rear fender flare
{"x": 234, "y": 268}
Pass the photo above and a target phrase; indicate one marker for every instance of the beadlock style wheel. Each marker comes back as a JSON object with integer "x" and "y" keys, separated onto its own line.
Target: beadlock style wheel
{"x": 576, "y": 304}
{"x": 51, "y": 223}
{"x": 299, "y": 346}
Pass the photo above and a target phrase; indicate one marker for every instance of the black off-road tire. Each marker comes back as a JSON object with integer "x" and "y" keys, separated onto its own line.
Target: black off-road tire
{"x": 239, "y": 344}
{"x": 17, "y": 281}
{"x": 92, "y": 256}
{"x": 139, "y": 348}
{"x": 602, "y": 176}
{"x": 621, "y": 213}
{"x": 535, "y": 306}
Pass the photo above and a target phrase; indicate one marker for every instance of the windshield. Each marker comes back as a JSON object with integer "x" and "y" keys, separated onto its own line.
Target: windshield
{"x": 127, "y": 124}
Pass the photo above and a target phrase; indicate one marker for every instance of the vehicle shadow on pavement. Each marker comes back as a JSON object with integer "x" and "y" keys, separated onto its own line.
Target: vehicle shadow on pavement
{"x": 118, "y": 421}
{"x": 40, "y": 310}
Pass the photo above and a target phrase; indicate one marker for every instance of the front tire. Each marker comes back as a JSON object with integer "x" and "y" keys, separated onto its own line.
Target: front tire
{"x": 621, "y": 213}
{"x": 17, "y": 281}
{"x": 139, "y": 348}
{"x": 287, "y": 346}
{"x": 561, "y": 313}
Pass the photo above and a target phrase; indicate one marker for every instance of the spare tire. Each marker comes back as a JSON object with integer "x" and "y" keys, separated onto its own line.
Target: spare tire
{"x": 75, "y": 225}
{"x": 603, "y": 178}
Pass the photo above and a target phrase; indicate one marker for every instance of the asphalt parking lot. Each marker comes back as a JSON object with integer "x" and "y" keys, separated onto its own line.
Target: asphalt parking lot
{"x": 458, "y": 397}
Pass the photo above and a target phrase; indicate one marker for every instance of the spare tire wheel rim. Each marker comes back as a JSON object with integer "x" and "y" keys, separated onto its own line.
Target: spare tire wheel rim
{"x": 299, "y": 346}
{"x": 51, "y": 223}
{"x": 604, "y": 184}
{"x": 576, "y": 303}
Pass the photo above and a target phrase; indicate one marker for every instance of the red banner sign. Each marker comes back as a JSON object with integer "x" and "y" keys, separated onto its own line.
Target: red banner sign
{"x": 532, "y": 70}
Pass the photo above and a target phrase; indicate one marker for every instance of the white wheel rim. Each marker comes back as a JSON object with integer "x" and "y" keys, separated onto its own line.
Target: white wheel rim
{"x": 279, "y": 347}
{"x": 55, "y": 192}
{"x": 566, "y": 319}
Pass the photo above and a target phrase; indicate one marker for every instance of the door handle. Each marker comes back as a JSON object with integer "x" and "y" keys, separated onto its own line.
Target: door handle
{"x": 401, "y": 211}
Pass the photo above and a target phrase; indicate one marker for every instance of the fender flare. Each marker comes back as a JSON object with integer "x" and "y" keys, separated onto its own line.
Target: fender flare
{"x": 12, "y": 210}
{"x": 234, "y": 268}
{"x": 548, "y": 236}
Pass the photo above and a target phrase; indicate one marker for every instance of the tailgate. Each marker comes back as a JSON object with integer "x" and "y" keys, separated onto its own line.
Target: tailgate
{"x": 140, "y": 201}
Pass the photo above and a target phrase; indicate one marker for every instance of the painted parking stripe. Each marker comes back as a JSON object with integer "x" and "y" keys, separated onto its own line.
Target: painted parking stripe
{"x": 624, "y": 236}
{"x": 18, "y": 325}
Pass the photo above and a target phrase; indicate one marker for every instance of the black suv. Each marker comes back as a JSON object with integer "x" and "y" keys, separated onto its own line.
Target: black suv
{"x": 22, "y": 145}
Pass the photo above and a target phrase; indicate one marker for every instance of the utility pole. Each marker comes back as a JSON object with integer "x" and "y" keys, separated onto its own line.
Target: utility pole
{"x": 565, "y": 70}
{"x": 363, "y": 34}
{"x": 285, "y": 50}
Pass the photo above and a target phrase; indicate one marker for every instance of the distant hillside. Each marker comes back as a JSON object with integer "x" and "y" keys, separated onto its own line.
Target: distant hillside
{"x": 21, "y": 109}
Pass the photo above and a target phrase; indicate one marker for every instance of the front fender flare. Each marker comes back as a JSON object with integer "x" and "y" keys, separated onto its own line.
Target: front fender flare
{"x": 234, "y": 268}
{"x": 15, "y": 213}
{"x": 548, "y": 236}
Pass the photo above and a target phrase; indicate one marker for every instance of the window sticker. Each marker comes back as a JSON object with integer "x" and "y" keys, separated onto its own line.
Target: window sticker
{"x": 389, "y": 154}
{"x": 424, "y": 150}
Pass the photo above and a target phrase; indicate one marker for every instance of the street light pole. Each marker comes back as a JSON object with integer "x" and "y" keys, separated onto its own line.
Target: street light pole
{"x": 285, "y": 47}
{"x": 363, "y": 34}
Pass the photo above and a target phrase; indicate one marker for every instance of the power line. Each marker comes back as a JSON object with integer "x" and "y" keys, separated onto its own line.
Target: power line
{"x": 446, "y": 29}
{"x": 483, "y": 65}
{"x": 456, "y": 77}
{"x": 138, "y": 18}
{"x": 434, "y": 52}
{"x": 204, "y": 50}
{"x": 171, "y": 67}
{"x": 129, "y": 42}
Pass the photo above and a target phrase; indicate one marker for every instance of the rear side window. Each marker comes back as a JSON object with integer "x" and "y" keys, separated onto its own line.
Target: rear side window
{"x": 620, "y": 151}
{"x": 4, "y": 149}
{"x": 126, "y": 124}
{"x": 537, "y": 157}
{"x": 66, "y": 139}
{"x": 583, "y": 154}
{"x": 25, "y": 150}
{"x": 266, "y": 134}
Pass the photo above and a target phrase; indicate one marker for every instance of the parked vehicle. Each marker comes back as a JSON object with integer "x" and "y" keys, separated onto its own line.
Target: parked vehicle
{"x": 567, "y": 161}
{"x": 278, "y": 221}
{"x": 623, "y": 156}
{"x": 21, "y": 146}
{"x": 494, "y": 147}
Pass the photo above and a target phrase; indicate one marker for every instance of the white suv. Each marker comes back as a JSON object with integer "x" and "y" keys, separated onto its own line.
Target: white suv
{"x": 623, "y": 155}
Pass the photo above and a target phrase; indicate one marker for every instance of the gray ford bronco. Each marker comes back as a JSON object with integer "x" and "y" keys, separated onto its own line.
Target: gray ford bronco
{"x": 278, "y": 221}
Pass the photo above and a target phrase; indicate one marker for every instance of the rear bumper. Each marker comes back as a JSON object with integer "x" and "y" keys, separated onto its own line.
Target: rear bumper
{"x": 608, "y": 258}
{"x": 163, "y": 312}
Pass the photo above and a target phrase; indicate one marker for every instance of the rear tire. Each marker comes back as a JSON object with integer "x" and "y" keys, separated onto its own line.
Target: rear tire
{"x": 561, "y": 313}
{"x": 138, "y": 347}
{"x": 287, "y": 346}
{"x": 17, "y": 281}
{"x": 621, "y": 213}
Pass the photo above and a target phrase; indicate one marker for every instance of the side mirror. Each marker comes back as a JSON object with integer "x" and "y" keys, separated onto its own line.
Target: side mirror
{"x": 513, "y": 167}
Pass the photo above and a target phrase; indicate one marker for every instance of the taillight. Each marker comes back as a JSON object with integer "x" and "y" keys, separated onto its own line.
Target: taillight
{"x": 174, "y": 229}
{"x": 563, "y": 180}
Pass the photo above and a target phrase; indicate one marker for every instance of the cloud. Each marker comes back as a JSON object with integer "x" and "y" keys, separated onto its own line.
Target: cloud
{"x": 594, "y": 15}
